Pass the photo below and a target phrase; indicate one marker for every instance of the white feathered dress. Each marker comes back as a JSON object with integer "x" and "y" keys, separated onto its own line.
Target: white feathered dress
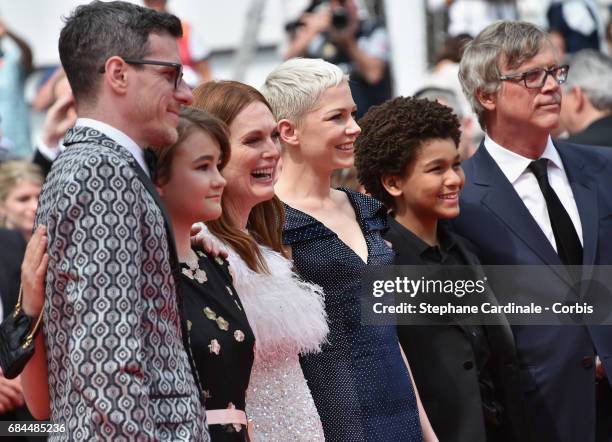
{"x": 287, "y": 316}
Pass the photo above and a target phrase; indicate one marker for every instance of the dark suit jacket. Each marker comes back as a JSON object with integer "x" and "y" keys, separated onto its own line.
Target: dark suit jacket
{"x": 443, "y": 364}
{"x": 12, "y": 248}
{"x": 598, "y": 133}
{"x": 556, "y": 361}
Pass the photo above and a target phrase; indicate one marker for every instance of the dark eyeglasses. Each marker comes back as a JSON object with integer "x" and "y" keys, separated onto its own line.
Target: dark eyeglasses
{"x": 536, "y": 78}
{"x": 178, "y": 75}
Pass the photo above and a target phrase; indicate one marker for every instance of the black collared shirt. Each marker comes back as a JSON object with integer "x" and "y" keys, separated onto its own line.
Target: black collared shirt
{"x": 450, "y": 253}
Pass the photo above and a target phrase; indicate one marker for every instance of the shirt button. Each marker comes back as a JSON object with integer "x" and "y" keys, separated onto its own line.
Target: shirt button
{"x": 587, "y": 362}
{"x": 468, "y": 365}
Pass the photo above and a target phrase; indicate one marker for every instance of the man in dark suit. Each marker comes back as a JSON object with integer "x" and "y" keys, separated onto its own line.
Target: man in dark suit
{"x": 586, "y": 110}
{"x": 118, "y": 359}
{"x": 529, "y": 201}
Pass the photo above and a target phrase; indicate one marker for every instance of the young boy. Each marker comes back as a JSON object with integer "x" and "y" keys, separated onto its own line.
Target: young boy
{"x": 467, "y": 375}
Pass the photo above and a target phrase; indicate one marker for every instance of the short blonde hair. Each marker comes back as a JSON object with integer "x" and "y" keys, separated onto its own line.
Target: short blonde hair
{"x": 13, "y": 172}
{"x": 293, "y": 88}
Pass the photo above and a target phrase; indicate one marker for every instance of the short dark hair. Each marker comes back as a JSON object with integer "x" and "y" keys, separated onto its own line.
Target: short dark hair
{"x": 99, "y": 30}
{"x": 392, "y": 135}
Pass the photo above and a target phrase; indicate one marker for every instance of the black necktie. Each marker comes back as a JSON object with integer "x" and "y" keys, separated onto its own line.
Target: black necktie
{"x": 569, "y": 247}
{"x": 150, "y": 158}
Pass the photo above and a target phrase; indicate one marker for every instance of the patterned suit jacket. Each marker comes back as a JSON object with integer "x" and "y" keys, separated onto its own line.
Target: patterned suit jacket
{"x": 118, "y": 366}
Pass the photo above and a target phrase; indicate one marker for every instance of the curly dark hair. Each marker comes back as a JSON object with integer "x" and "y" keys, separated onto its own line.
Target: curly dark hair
{"x": 392, "y": 135}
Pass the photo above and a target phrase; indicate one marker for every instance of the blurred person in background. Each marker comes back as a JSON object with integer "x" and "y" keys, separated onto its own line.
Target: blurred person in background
{"x": 471, "y": 135}
{"x": 6, "y": 146}
{"x": 45, "y": 94}
{"x": 609, "y": 32}
{"x": 20, "y": 185}
{"x": 60, "y": 116}
{"x": 346, "y": 178}
{"x": 334, "y": 31}
{"x": 15, "y": 65}
{"x": 472, "y": 16}
{"x": 445, "y": 72}
{"x": 192, "y": 49}
{"x": 442, "y": 84}
{"x": 574, "y": 25}
{"x": 586, "y": 108}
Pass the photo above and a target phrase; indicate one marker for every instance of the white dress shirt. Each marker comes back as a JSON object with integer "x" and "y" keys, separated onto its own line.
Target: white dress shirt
{"x": 514, "y": 167}
{"x": 118, "y": 137}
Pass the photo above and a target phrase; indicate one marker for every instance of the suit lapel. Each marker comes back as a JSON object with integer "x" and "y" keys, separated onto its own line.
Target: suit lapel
{"x": 585, "y": 195}
{"x": 498, "y": 196}
{"x": 146, "y": 181}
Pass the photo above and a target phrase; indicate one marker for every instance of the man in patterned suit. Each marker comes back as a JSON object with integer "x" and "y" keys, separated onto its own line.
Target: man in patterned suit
{"x": 118, "y": 363}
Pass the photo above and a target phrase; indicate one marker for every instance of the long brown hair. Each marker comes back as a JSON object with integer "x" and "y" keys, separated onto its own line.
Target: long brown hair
{"x": 225, "y": 100}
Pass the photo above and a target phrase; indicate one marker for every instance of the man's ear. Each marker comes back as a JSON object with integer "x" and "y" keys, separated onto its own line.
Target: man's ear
{"x": 487, "y": 100}
{"x": 288, "y": 132}
{"x": 580, "y": 98}
{"x": 116, "y": 74}
{"x": 392, "y": 184}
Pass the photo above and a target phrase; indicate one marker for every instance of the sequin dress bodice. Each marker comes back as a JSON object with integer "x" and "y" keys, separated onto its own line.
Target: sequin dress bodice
{"x": 359, "y": 381}
{"x": 287, "y": 316}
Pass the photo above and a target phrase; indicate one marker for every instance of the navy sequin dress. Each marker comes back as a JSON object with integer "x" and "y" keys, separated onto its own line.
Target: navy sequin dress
{"x": 359, "y": 382}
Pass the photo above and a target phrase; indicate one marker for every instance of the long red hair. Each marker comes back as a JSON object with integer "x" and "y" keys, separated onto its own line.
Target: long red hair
{"x": 225, "y": 100}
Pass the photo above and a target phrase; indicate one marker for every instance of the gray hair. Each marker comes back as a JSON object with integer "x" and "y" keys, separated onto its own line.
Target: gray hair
{"x": 293, "y": 88}
{"x": 515, "y": 41}
{"x": 448, "y": 96}
{"x": 592, "y": 72}
{"x": 99, "y": 30}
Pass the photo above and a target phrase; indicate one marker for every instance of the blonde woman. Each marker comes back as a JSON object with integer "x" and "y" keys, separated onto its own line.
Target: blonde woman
{"x": 360, "y": 382}
{"x": 20, "y": 185}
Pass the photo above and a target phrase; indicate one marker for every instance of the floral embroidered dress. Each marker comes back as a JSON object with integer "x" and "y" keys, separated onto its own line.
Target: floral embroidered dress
{"x": 220, "y": 339}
